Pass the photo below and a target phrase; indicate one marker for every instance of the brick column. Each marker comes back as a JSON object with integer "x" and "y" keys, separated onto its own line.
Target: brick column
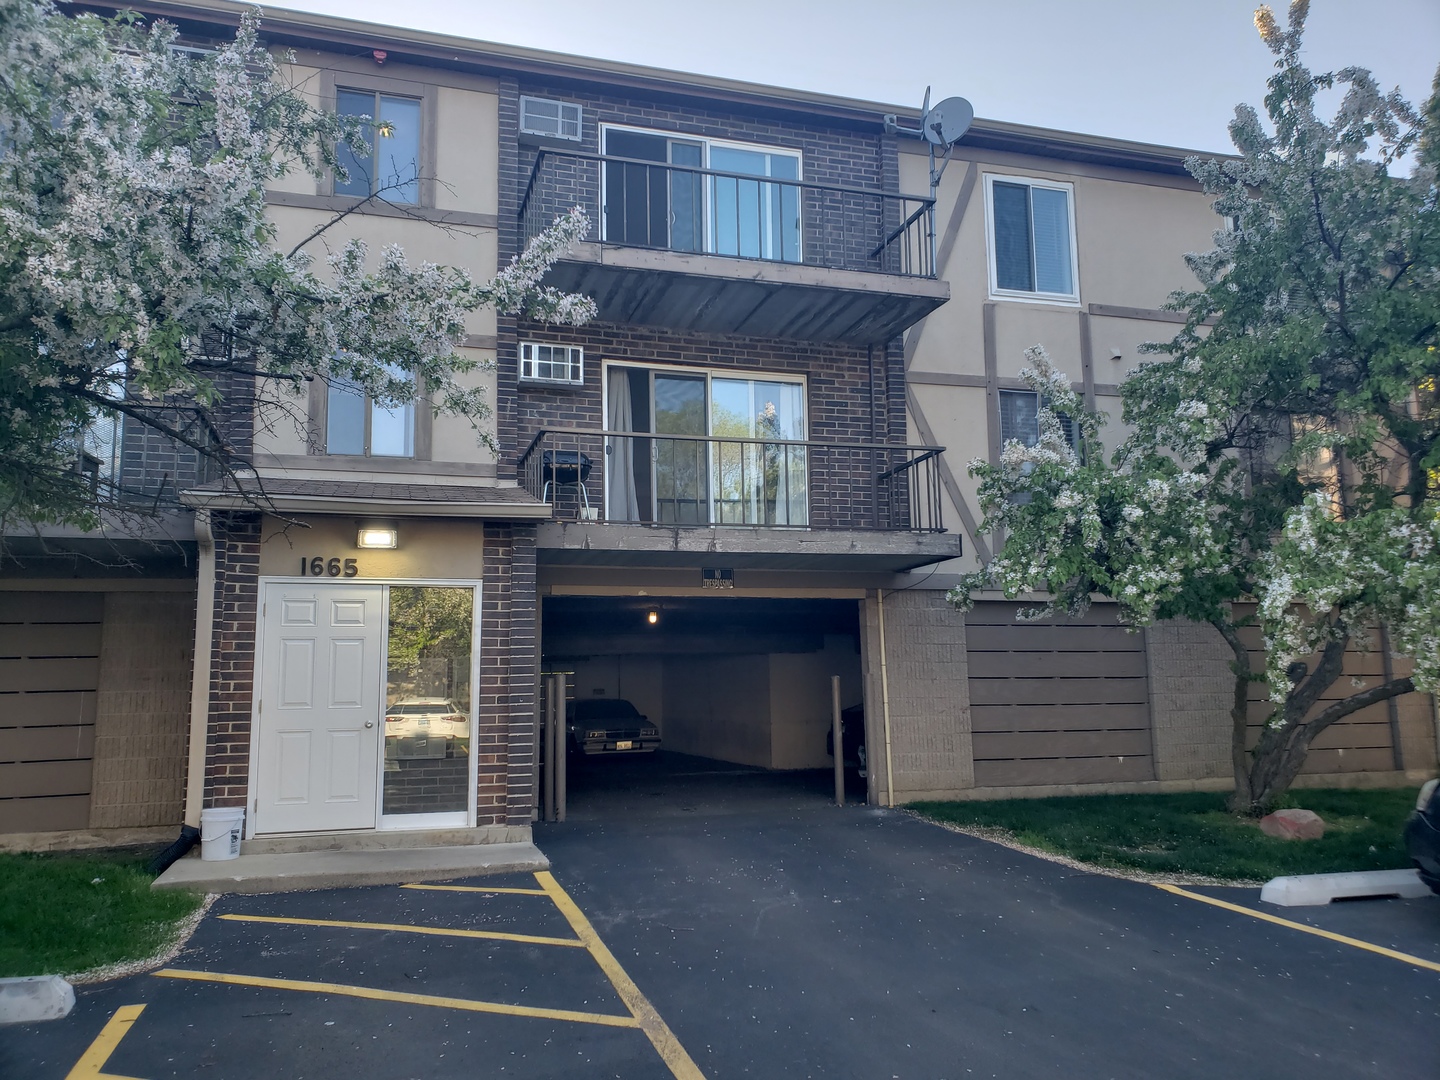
{"x": 232, "y": 662}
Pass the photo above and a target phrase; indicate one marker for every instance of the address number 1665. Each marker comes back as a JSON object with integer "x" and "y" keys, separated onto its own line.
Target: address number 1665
{"x": 317, "y": 566}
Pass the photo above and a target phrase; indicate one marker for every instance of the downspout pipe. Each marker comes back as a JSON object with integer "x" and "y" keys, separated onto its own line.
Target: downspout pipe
{"x": 199, "y": 696}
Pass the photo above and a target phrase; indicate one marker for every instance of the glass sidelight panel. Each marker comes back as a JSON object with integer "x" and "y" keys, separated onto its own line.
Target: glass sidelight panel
{"x": 681, "y": 484}
{"x": 428, "y": 720}
{"x": 759, "y": 483}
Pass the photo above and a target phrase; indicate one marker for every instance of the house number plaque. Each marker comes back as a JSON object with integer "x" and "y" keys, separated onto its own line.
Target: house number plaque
{"x": 319, "y": 566}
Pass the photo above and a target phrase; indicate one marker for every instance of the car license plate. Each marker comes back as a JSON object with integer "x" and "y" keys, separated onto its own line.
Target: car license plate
{"x": 624, "y": 744}
{"x": 422, "y": 723}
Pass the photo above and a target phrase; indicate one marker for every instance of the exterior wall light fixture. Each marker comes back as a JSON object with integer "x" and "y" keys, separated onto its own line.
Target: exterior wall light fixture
{"x": 652, "y": 618}
{"x": 378, "y": 536}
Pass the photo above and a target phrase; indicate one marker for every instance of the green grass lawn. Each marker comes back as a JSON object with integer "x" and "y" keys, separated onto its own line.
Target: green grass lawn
{"x": 1193, "y": 834}
{"x": 64, "y": 913}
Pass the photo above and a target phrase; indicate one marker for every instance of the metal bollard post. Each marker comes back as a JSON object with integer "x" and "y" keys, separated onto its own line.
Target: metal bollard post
{"x": 550, "y": 744}
{"x": 839, "y": 738}
{"x": 562, "y": 746}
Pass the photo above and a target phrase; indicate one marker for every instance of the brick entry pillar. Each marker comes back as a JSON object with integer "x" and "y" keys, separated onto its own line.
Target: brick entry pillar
{"x": 232, "y": 658}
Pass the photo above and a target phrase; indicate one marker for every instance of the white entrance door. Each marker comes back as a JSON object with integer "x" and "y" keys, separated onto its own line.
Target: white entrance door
{"x": 320, "y": 707}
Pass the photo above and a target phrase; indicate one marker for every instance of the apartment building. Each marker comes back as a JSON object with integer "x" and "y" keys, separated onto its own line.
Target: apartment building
{"x": 747, "y": 476}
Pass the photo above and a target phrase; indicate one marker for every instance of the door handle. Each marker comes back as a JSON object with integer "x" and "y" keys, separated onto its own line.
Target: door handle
{"x": 369, "y": 723}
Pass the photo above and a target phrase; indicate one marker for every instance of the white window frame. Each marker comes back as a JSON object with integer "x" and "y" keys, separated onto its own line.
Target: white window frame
{"x": 575, "y": 362}
{"x": 707, "y": 143}
{"x": 1071, "y": 299}
{"x": 561, "y": 107}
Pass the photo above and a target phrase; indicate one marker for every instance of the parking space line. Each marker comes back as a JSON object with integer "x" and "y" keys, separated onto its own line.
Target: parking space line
{"x": 477, "y": 888}
{"x": 656, "y": 1030}
{"x": 92, "y": 1063}
{"x": 371, "y": 994}
{"x": 1329, "y": 935}
{"x": 402, "y": 928}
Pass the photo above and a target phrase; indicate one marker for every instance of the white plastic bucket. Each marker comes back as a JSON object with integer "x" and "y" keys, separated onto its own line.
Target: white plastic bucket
{"x": 220, "y": 829}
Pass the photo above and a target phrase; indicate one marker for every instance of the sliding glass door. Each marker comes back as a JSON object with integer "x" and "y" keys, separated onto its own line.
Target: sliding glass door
{"x": 742, "y": 461}
{"x": 652, "y": 200}
{"x": 681, "y": 480}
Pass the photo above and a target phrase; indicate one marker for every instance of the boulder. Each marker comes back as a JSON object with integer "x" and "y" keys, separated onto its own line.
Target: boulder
{"x": 1293, "y": 825}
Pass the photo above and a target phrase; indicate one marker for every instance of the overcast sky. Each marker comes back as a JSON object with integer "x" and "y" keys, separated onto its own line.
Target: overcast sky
{"x": 1163, "y": 71}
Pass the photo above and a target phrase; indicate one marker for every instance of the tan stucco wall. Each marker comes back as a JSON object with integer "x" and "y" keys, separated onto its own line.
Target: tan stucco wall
{"x": 1131, "y": 232}
{"x": 427, "y": 549}
{"x": 462, "y": 143}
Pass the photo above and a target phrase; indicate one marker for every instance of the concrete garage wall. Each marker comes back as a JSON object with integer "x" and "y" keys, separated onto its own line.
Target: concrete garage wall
{"x": 929, "y": 697}
{"x": 637, "y": 679}
{"x": 719, "y": 707}
{"x": 800, "y": 701}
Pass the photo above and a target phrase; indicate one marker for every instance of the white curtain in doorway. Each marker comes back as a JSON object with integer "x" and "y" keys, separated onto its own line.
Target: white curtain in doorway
{"x": 620, "y": 453}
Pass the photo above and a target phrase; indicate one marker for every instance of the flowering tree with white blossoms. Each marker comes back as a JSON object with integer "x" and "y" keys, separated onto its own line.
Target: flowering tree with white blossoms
{"x": 140, "y": 277}
{"x": 1286, "y": 444}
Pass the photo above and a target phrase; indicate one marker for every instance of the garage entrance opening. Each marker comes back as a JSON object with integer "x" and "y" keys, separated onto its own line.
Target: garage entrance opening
{"x": 703, "y": 705}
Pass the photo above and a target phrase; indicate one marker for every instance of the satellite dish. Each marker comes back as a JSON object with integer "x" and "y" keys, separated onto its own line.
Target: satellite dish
{"x": 947, "y": 121}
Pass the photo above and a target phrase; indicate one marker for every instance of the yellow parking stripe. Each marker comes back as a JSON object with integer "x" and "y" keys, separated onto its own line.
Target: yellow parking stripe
{"x": 1326, "y": 934}
{"x": 658, "y": 1032}
{"x": 92, "y": 1062}
{"x": 602, "y": 1019}
{"x": 477, "y": 888}
{"x": 438, "y": 931}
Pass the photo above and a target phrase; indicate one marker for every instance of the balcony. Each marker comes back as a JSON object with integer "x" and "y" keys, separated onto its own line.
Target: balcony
{"x": 619, "y": 497}
{"x": 712, "y": 251}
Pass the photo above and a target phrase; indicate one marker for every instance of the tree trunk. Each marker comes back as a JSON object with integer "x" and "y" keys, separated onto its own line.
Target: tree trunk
{"x": 1263, "y": 774}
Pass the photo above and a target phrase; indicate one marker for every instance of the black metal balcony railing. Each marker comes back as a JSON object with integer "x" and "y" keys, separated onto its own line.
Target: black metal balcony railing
{"x": 683, "y": 208}
{"x": 625, "y": 477}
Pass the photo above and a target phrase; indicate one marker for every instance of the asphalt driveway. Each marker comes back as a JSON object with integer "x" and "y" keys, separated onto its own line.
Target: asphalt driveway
{"x": 784, "y": 940}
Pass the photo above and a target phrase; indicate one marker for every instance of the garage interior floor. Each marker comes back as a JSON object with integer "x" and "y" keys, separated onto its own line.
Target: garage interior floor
{"x": 667, "y": 784}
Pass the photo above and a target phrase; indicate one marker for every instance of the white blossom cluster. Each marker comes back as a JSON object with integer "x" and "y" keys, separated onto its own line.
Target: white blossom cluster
{"x": 133, "y": 231}
{"x": 1378, "y": 568}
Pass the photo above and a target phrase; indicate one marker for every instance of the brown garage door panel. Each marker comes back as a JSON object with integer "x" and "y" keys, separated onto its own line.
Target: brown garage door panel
{"x": 1062, "y": 771}
{"x": 1057, "y": 691}
{"x": 46, "y": 778}
{"x": 1033, "y": 637}
{"x": 63, "y": 640}
{"x": 51, "y": 607}
{"x": 80, "y": 674}
{"x": 1051, "y": 665}
{"x": 45, "y": 815}
{"x": 47, "y": 744}
{"x": 1345, "y": 761}
{"x": 1064, "y": 744}
{"x": 999, "y": 718}
{"x": 47, "y": 710}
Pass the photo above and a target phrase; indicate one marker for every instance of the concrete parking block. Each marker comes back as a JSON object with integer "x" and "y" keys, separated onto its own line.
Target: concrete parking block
{"x": 299, "y": 870}
{"x": 36, "y": 997}
{"x": 1309, "y": 890}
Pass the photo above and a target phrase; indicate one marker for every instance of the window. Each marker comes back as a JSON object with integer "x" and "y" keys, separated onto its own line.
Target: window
{"x": 557, "y": 119}
{"x": 391, "y": 169}
{"x": 1032, "y": 238}
{"x": 357, "y": 425}
{"x": 665, "y": 205}
{"x": 552, "y": 363}
{"x": 1020, "y": 418}
{"x": 709, "y": 447}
